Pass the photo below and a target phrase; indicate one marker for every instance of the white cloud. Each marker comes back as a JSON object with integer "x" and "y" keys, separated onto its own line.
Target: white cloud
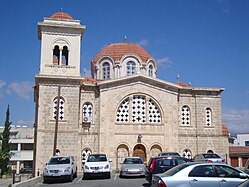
{"x": 143, "y": 42}
{"x": 2, "y": 84}
{"x": 22, "y": 89}
{"x": 164, "y": 62}
{"x": 237, "y": 121}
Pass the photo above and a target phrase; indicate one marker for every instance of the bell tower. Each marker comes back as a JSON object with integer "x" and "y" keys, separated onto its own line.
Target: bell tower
{"x": 60, "y": 37}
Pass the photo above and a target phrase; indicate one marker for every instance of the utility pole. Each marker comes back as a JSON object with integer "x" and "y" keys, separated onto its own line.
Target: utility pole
{"x": 56, "y": 120}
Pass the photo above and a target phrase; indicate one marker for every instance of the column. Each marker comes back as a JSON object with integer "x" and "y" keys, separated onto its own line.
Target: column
{"x": 60, "y": 56}
{"x": 240, "y": 164}
{"x": 18, "y": 162}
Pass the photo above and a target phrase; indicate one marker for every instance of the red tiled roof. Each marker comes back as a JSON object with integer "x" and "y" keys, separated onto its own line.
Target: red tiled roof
{"x": 183, "y": 84}
{"x": 89, "y": 79}
{"x": 238, "y": 149}
{"x": 118, "y": 50}
{"x": 225, "y": 131}
{"x": 61, "y": 15}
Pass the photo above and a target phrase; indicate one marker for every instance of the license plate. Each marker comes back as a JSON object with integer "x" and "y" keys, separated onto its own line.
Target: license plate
{"x": 56, "y": 174}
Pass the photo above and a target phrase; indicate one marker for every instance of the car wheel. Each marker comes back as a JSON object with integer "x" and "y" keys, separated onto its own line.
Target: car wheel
{"x": 45, "y": 180}
{"x": 108, "y": 176}
{"x": 71, "y": 177}
{"x": 85, "y": 176}
{"x": 75, "y": 174}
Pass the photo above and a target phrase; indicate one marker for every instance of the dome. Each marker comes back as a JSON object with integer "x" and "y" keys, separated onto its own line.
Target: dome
{"x": 118, "y": 50}
{"x": 61, "y": 15}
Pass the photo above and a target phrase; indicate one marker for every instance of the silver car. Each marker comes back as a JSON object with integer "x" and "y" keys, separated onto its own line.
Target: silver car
{"x": 195, "y": 174}
{"x": 244, "y": 184}
{"x": 63, "y": 167}
{"x": 208, "y": 157}
{"x": 132, "y": 166}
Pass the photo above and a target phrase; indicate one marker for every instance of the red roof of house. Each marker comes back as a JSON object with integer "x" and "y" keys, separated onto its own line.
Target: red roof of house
{"x": 238, "y": 149}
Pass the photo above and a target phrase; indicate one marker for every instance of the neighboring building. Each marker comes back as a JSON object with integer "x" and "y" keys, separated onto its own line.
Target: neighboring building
{"x": 239, "y": 152}
{"x": 123, "y": 109}
{"x": 21, "y": 144}
{"x": 243, "y": 139}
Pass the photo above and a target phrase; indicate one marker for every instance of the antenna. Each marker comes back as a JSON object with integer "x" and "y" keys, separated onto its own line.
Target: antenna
{"x": 84, "y": 72}
{"x": 177, "y": 78}
{"x": 125, "y": 38}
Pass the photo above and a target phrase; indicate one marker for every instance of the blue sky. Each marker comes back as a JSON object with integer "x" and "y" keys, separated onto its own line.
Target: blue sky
{"x": 205, "y": 42}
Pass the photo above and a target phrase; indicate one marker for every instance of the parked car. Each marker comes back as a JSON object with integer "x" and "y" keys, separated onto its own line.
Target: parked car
{"x": 208, "y": 157}
{"x": 132, "y": 166}
{"x": 97, "y": 165}
{"x": 161, "y": 164}
{"x": 26, "y": 169}
{"x": 246, "y": 169}
{"x": 60, "y": 167}
{"x": 244, "y": 184}
{"x": 200, "y": 175}
{"x": 169, "y": 154}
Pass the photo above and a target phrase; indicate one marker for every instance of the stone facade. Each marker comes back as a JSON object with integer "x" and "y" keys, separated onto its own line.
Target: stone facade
{"x": 117, "y": 114}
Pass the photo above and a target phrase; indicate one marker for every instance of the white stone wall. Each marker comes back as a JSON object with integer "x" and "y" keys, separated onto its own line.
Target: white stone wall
{"x": 67, "y": 136}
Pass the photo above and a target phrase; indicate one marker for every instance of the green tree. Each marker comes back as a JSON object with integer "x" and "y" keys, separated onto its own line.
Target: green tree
{"x": 5, "y": 153}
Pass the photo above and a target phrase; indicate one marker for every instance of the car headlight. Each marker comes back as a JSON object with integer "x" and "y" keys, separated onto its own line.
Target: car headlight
{"x": 86, "y": 167}
{"x": 67, "y": 169}
{"x": 106, "y": 167}
{"x": 45, "y": 170}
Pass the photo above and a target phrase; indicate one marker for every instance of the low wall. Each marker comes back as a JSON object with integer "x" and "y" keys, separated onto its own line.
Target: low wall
{"x": 29, "y": 182}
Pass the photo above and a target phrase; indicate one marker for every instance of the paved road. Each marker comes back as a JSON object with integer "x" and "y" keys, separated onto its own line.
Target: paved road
{"x": 115, "y": 181}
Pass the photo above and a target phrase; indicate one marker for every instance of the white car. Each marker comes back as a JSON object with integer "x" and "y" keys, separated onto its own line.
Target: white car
{"x": 197, "y": 174}
{"x": 60, "y": 167}
{"x": 97, "y": 165}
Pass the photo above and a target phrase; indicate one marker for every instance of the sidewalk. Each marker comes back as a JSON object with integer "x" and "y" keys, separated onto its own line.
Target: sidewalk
{"x": 9, "y": 181}
{"x": 6, "y": 182}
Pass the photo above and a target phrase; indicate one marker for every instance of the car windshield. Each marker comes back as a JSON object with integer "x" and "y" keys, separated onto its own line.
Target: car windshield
{"x": 211, "y": 156}
{"x": 133, "y": 161}
{"x": 96, "y": 158}
{"x": 59, "y": 160}
{"x": 175, "y": 169}
{"x": 169, "y": 154}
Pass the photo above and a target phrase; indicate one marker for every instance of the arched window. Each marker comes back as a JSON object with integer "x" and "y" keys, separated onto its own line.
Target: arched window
{"x": 60, "y": 57}
{"x": 56, "y": 55}
{"x": 85, "y": 153}
{"x": 106, "y": 71}
{"x": 138, "y": 109}
{"x": 185, "y": 116}
{"x": 187, "y": 154}
{"x": 64, "y": 58}
{"x": 151, "y": 71}
{"x": 154, "y": 113}
{"x": 61, "y": 108}
{"x": 130, "y": 68}
{"x": 87, "y": 113}
{"x": 208, "y": 117}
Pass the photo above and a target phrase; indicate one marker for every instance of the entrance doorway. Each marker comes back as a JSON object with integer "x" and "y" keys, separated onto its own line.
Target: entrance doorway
{"x": 140, "y": 151}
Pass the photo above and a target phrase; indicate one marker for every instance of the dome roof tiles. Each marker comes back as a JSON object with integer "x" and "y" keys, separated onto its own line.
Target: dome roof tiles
{"x": 61, "y": 15}
{"x": 118, "y": 50}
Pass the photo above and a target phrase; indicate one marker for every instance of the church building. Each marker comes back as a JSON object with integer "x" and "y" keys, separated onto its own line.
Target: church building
{"x": 122, "y": 110}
